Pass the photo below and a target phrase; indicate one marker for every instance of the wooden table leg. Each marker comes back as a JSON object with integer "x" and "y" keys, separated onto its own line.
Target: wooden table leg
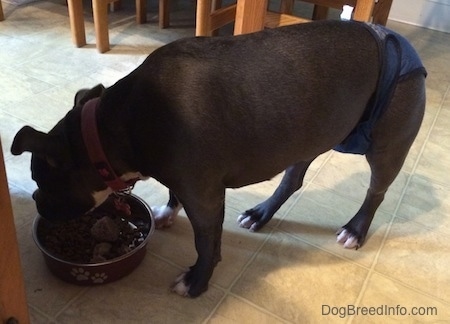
{"x": 76, "y": 18}
{"x": 100, "y": 11}
{"x": 250, "y": 15}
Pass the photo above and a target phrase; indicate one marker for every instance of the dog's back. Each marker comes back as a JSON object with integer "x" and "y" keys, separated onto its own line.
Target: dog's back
{"x": 308, "y": 83}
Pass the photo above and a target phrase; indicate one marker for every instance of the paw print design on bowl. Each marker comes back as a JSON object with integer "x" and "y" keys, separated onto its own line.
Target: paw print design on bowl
{"x": 80, "y": 274}
{"x": 99, "y": 278}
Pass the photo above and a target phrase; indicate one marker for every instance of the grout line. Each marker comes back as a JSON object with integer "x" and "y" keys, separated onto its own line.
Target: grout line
{"x": 272, "y": 230}
{"x": 321, "y": 248}
{"x": 303, "y": 189}
{"x": 71, "y": 301}
{"x": 260, "y": 308}
{"x": 31, "y": 307}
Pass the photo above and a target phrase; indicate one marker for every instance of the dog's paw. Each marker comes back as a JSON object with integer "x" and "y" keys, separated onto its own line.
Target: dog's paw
{"x": 248, "y": 222}
{"x": 164, "y": 216}
{"x": 180, "y": 286}
{"x": 347, "y": 239}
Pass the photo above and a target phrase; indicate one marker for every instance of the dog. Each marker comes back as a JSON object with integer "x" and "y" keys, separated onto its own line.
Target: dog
{"x": 204, "y": 114}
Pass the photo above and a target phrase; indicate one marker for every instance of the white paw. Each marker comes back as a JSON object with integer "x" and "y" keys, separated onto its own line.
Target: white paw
{"x": 247, "y": 222}
{"x": 348, "y": 240}
{"x": 180, "y": 287}
{"x": 164, "y": 216}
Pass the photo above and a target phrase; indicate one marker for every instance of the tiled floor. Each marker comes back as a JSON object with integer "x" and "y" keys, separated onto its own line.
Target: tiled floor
{"x": 290, "y": 272}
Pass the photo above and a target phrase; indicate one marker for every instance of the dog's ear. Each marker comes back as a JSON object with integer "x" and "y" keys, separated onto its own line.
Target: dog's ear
{"x": 43, "y": 145}
{"x": 84, "y": 95}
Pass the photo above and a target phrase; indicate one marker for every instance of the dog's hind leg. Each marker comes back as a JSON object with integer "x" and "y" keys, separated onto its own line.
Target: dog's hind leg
{"x": 256, "y": 217}
{"x": 392, "y": 138}
{"x": 165, "y": 215}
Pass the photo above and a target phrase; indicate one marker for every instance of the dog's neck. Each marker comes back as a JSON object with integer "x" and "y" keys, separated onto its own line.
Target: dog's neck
{"x": 96, "y": 154}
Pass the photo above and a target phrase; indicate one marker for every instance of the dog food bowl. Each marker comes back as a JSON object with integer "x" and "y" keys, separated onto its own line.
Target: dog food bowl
{"x": 140, "y": 221}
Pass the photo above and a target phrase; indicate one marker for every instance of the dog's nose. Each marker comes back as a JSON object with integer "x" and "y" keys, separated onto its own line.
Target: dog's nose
{"x": 35, "y": 193}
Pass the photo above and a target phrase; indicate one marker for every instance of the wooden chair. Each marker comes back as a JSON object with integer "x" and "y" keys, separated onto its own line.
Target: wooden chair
{"x": 211, "y": 15}
{"x": 364, "y": 10}
{"x": 100, "y": 13}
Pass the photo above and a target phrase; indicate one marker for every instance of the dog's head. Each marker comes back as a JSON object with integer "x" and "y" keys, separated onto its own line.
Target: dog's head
{"x": 67, "y": 182}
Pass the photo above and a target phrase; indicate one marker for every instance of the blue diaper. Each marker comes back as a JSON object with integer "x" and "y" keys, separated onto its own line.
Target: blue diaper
{"x": 398, "y": 61}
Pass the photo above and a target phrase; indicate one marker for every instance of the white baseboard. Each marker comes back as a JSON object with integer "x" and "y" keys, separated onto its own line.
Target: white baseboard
{"x": 432, "y": 14}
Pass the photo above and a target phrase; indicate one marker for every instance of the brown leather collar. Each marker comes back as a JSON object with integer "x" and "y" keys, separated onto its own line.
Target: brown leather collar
{"x": 95, "y": 150}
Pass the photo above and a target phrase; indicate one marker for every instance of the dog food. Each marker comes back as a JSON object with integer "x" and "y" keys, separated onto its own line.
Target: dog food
{"x": 96, "y": 237}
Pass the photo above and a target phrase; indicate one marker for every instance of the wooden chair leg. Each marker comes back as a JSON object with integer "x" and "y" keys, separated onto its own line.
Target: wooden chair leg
{"x": 381, "y": 12}
{"x": 115, "y": 5}
{"x": 287, "y": 6}
{"x": 141, "y": 11}
{"x": 100, "y": 11}
{"x": 164, "y": 13}
{"x": 2, "y": 16}
{"x": 320, "y": 12}
{"x": 203, "y": 22}
{"x": 76, "y": 18}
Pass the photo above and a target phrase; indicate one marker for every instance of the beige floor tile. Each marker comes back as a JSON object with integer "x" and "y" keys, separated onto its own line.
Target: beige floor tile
{"x": 393, "y": 302}
{"x": 39, "y": 110}
{"x": 23, "y": 207}
{"x": 33, "y": 19}
{"x": 18, "y": 86}
{"x": 25, "y": 51}
{"x": 234, "y": 310}
{"x": 432, "y": 48}
{"x": 37, "y": 317}
{"x": 427, "y": 203}
{"x": 436, "y": 156}
{"x": 417, "y": 257}
{"x": 294, "y": 280}
{"x": 143, "y": 296}
{"x": 319, "y": 213}
{"x": 55, "y": 69}
{"x": 349, "y": 175}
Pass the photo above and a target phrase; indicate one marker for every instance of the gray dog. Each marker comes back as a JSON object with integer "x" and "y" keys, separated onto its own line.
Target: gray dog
{"x": 204, "y": 114}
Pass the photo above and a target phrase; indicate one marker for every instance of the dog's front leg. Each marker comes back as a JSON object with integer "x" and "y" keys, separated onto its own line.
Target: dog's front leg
{"x": 207, "y": 223}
